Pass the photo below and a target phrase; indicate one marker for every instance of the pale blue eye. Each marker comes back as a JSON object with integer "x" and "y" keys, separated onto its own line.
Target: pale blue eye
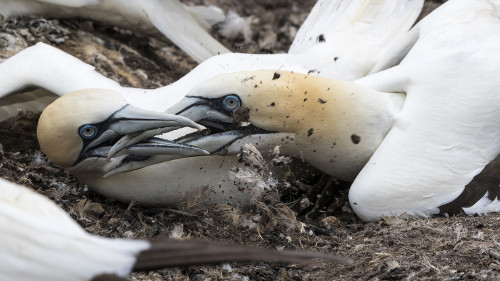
{"x": 88, "y": 131}
{"x": 231, "y": 102}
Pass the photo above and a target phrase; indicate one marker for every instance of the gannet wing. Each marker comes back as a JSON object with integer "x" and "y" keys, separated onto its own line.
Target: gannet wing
{"x": 207, "y": 15}
{"x": 185, "y": 27}
{"x": 20, "y": 206}
{"x": 41, "y": 236}
{"x": 182, "y": 27}
{"x": 353, "y": 34}
{"x": 71, "y": 3}
{"x": 35, "y": 76}
{"x": 449, "y": 127}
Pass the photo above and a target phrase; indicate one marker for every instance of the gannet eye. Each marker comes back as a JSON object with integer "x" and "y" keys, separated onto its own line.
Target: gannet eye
{"x": 88, "y": 131}
{"x": 231, "y": 102}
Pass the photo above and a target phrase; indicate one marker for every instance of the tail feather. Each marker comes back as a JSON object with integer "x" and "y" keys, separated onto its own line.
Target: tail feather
{"x": 169, "y": 253}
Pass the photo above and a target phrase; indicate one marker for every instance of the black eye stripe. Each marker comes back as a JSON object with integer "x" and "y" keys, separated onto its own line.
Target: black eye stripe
{"x": 215, "y": 103}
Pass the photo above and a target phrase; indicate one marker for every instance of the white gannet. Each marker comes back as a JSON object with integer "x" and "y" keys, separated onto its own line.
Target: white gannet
{"x": 184, "y": 26}
{"x": 41, "y": 242}
{"x": 345, "y": 38}
{"x": 440, "y": 109}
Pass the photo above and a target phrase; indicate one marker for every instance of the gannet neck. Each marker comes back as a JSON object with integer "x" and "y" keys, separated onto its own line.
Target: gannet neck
{"x": 327, "y": 121}
{"x": 337, "y": 125}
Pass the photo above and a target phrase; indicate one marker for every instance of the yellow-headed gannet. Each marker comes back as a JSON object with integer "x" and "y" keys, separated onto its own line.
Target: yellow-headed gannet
{"x": 184, "y": 26}
{"x": 40, "y": 242}
{"x": 370, "y": 26}
{"x": 440, "y": 109}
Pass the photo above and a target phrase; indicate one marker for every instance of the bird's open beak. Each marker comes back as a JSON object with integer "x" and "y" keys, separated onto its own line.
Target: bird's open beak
{"x": 204, "y": 111}
{"x": 223, "y": 127}
{"x": 128, "y": 139}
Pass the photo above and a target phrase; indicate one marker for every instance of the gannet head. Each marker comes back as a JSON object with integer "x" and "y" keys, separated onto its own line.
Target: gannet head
{"x": 95, "y": 129}
{"x": 323, "y": 121}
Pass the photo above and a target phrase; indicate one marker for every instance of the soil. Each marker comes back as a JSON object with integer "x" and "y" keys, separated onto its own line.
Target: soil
{"x": 442, "y": 248}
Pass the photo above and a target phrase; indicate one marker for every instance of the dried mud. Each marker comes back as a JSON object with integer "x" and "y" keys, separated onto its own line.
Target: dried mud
{"x": 442, "y": 248}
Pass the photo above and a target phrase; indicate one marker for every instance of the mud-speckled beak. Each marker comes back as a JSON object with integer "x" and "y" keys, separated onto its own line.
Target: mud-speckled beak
{"x": 225, "y": 118}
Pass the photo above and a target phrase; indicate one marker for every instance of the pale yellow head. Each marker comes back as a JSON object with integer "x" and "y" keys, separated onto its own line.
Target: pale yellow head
{"x": 59, "y": 123}
{"x": 334, "y": 125}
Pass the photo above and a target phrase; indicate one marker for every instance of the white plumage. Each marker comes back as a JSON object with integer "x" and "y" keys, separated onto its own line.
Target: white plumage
{"x": 46, "y": 67}
{"x": 355, "y": 33}
{"x": 40, "y": 242}
{"x": 449, "y": 127}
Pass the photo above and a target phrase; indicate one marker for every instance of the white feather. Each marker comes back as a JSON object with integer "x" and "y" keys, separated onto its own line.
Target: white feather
{"x": 452, "y": 114}
{"x": 483, "y": 206}
{"x": 46, "y": 67}
{"x": 41, "y": 242}
{"x": 185, "y": 27}
{"x": 356, "y": 34}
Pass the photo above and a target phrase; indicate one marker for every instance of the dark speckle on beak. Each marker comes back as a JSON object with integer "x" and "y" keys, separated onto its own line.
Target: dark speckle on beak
{"x": 276, "y": 76}
{"x": 321, "y": 38}
{"x": 320, "y": 100}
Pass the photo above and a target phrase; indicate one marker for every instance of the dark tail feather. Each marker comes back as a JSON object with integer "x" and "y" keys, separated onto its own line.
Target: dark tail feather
{"x": 170, "y": 253}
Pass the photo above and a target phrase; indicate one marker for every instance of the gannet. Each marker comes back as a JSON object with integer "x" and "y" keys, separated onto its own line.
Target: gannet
{"x": 345, "y": 38}
{"x": 41, "y": 242}
{"x": 184, "y": 26}
{"x": 419, "y": 132}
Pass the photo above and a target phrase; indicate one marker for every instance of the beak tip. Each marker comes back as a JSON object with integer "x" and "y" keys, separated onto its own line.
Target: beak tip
{"x": 199, "y": 127}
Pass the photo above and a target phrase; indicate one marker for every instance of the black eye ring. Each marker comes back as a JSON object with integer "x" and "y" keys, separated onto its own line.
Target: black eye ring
{"x": 88, "y": 131}
{"x": 231, "y": 102}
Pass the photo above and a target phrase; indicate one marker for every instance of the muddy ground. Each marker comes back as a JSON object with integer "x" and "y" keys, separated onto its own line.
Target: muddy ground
{"x": 443, "y": 248}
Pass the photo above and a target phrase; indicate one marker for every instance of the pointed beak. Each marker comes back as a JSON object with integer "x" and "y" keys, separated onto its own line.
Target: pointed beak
{"x": 201, "y": 110}
{"x": 223, "y": 126}
{"x": 129, "y": 135}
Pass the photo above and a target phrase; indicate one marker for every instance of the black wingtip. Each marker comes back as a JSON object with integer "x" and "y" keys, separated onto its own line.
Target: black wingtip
{"x": 171, "y": 253}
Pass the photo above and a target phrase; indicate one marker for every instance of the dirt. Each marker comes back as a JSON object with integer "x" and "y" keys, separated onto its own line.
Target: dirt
{"x": 443, "y": 248}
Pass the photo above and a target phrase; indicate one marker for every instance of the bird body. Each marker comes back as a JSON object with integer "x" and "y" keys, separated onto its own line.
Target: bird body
{"x": 42, "y": 242}
{"x": 449, "y": 127}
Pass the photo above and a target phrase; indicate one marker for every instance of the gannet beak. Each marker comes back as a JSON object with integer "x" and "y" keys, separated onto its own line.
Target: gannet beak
{"x": 203, "y": 110}
{"x": 127, "y": 139}
{"x": 223, "y": 126}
